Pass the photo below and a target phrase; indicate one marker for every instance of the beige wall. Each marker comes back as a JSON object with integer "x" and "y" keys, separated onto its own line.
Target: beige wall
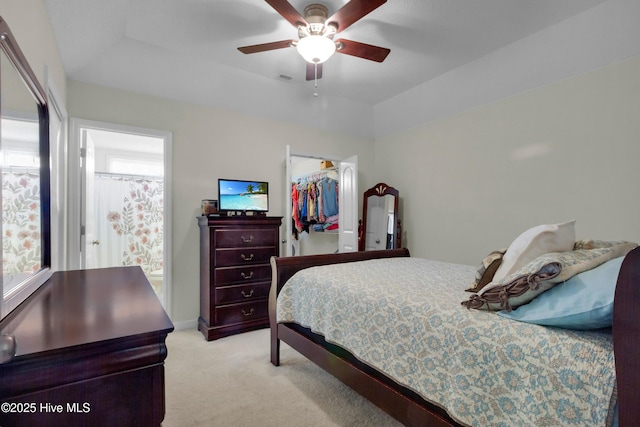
{"x": 471, "y": 183}
{"x": 29, "y": 23}
{"x": 468, "y": 183}
{"x": 208, "y": 144}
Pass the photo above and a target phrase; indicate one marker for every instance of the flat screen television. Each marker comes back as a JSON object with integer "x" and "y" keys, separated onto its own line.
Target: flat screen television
{"x": 243, "y": 196}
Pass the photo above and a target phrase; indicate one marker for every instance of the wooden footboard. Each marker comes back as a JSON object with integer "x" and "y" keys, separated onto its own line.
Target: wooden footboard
{"x": 282, "y": 268}
{"x": 399, "y": 402}
{"x": 411, "y": 409}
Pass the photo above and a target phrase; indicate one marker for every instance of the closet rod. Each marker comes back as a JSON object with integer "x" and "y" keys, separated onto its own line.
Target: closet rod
{"x": 22, "y": 169}
{"x": 320, "y": 173}
{"x": 129, "y": 176}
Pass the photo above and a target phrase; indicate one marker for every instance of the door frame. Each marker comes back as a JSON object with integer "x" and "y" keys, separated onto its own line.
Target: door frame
{"x": 77, "y": 128}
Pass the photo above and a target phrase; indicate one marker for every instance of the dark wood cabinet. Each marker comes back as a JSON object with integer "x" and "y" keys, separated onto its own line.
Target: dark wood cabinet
{"x": 90, "y": 350}
{"x": 235, "y": 274}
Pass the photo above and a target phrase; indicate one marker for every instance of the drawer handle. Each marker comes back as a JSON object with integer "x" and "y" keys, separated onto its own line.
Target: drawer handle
{"x": 247, "y": 295}
{"x": 246, "y": 258}
{"x": 245, "y": 276}
{"x": 245, "y": 240}
{"x": 247, "y": 314}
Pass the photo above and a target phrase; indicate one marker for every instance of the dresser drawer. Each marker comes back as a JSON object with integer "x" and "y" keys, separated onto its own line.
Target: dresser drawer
{"x": 241, "y": 293}
{"x": 243, "y": 256}
{"x": 247, "y": 237}
{"x": 239, "y": 313}
{"x": 246, "y": 274}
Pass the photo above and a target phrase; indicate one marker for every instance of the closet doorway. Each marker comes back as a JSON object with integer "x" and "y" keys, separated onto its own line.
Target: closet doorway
{"x": 124, "y": 192}
{"x": 312, "y": 232}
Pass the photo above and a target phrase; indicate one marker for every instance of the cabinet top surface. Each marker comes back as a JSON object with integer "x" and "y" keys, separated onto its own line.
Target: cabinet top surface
{"x": 87, "y": 306}
{"x": 239, "y": 220}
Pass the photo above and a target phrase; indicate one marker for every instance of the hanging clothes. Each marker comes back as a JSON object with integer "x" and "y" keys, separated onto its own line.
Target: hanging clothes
{"x": 314, "y": 202}
{"x": 330, "y": 197}
{"x": 295, "y": 211}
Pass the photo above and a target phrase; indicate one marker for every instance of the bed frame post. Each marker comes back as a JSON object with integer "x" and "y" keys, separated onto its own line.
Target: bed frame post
{"x": 273, "y": 324}
{"x": 626, "y": 339}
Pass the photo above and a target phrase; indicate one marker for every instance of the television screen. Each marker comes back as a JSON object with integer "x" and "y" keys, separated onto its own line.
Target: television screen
{"x": 245, "y": 196}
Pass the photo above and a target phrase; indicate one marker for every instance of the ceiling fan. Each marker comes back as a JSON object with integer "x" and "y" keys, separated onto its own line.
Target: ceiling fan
{"x": 316, "y": 31}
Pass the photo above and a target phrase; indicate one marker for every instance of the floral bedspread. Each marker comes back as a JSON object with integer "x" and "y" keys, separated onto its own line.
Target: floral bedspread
{"x": 403, "y": 317}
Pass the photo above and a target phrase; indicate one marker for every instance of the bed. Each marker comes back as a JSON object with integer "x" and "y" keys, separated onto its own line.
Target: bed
{"x": 373, "y": 375}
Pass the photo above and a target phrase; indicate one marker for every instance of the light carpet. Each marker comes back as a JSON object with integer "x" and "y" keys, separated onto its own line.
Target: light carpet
{"x": 231, "y": 382}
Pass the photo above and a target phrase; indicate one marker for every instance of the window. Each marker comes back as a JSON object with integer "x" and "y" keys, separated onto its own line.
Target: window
{"x": 135, "y": 167}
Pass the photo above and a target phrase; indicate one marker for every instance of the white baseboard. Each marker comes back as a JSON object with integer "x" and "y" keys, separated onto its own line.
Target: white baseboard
{"x": 186, "y": 324}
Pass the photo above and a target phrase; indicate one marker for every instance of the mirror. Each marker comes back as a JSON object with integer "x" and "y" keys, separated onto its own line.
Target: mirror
{"x": 380, "y": 226}
{"x": 24, "y": 166}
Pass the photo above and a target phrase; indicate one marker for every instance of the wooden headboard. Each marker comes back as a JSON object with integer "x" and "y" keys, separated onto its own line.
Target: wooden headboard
{"x": 626, "y": 339}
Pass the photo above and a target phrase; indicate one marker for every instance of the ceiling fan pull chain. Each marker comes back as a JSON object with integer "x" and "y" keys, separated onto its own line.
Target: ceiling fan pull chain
{"x": 316, "y": 79}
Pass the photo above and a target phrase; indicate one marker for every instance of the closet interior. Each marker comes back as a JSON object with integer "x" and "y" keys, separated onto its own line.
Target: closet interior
{"x": 315, "y": 211}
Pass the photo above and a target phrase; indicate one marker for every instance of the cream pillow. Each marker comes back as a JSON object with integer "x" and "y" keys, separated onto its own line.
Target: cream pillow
{"x": 534, "y": 242}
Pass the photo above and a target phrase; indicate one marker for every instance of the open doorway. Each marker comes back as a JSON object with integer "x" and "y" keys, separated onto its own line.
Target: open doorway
{"x": 124, "y": 191}
{"x": 320, "y": 235}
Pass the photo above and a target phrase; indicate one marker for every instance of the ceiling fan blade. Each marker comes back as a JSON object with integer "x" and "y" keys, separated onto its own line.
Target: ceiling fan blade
{"x": 362, "y": 50}
{"x": 288, "y": 12}
{"x": 266, "y": 46}
{"x": 311, "y": 71}
{"x": 352, "y": 12}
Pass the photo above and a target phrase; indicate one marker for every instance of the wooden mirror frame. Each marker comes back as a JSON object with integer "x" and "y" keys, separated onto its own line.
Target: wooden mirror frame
{"x": 380, "y": 190}
{"x": 28, "y": 286}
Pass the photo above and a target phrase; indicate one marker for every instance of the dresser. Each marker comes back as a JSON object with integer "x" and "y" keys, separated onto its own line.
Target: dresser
{"x": 90, "y": 350}
{"x": 235, "y": 274}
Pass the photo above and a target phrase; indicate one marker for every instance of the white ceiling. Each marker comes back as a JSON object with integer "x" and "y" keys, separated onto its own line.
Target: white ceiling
{"x": 187, "y": 49}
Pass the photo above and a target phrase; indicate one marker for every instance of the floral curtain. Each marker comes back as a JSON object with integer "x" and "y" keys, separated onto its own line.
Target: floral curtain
{"x": 128, "y": 212}
{"x": 129, "y": 218}
{"x": 21, "y": 233}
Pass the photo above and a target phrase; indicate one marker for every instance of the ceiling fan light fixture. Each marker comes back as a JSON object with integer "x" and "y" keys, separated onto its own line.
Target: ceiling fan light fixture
{"x": 315, "y": 48}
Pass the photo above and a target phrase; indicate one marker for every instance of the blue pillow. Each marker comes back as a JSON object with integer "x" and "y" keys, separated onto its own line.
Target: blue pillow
{"x": 583, "y": 302}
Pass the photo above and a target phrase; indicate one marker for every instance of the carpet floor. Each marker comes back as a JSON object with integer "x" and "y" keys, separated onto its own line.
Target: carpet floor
{"x": 231, "y": 382}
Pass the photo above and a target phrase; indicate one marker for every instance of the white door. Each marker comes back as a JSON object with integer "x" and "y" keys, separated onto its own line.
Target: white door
{"x": 348, "y": 202}
{"x": 288, "y": 240}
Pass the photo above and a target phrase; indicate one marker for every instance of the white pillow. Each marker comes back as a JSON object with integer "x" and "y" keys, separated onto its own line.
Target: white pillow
{"x": 534, "y": 242}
